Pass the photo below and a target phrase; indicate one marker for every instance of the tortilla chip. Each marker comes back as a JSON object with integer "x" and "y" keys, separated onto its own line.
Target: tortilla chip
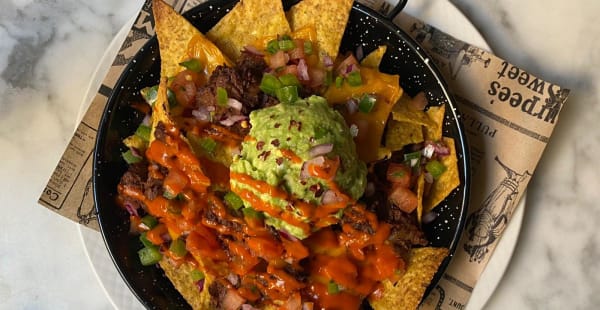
{"x": 374, "y": 58}
{"x": 447, "y": 182}
{"x": 420, "y": 191}
{"x": 408, "y": 292}
{"x": 436, "y": 114}
{"x": 174, "y": 34}
{"x": 399, "y": 134}
{"x": 160, "y": 108}
{"x": 181, "y": 278}
{"x": 328, "y": 17}
{"x": 403, "y": 111}
{"x": 383, "y": 153}
{"x": 247, "y": 22}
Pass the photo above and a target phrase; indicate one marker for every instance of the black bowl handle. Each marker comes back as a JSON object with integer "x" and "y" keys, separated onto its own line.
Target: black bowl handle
{"x": 389, "y": 11}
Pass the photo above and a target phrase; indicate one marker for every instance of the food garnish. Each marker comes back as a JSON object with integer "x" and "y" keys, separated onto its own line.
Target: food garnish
{"x": 274, "y": 172}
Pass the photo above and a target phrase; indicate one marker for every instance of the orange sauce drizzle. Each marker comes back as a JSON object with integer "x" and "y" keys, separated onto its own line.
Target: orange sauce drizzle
{"x": 356, "y": 261}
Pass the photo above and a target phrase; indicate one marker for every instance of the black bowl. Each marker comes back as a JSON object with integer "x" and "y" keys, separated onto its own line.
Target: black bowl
{"x": 365, "y": 28}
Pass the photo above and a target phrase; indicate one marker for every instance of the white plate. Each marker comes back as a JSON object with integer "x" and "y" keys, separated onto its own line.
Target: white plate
{"x": 439, "y": 13}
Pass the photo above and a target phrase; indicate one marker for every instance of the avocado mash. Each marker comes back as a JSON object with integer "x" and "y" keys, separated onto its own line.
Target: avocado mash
{"x": 285, "y": 140}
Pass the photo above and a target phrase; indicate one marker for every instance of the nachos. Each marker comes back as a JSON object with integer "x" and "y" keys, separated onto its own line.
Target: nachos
{"x": 276, "y": 173}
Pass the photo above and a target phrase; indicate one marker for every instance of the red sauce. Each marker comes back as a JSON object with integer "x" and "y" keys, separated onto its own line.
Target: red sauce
{"x": 220, "y": 242}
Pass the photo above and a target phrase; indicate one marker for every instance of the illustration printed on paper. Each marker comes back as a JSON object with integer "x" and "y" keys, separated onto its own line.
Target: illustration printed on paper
{"x": 486, "y": 224}
{"x": 86, "y": 212}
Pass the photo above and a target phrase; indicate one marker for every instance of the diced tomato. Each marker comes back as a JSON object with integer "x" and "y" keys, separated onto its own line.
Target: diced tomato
{"x": 267, "y": 248}
{"x": 176, "y": 181}
{"x": 399, "y": 174}
{"x": 403, "y": 198}
{"x": 317, "y": 76}
{"x": 278, "y": 60}
{"x": 242, "y": 258}
{"x": 294, "y": 249}
{"x": 293, "y": 303}
{"x": 184, "y": 86}
{"x": 155, "y": 235}
{"x": 298, "y": 51}
{"x": 419, "y": 101}
{"x": 291, "y": 69}
{"x": 204, "y": 244}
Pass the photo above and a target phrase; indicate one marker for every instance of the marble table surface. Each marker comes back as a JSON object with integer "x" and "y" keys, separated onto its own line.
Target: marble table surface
{"x": 49, "y": 50}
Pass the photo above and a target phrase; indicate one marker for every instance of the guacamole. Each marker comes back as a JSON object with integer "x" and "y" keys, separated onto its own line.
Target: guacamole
{"x": 282, "y": 140}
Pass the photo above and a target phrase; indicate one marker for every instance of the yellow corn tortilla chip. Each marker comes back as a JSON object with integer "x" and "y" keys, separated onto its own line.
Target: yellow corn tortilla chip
{"x": 403, "y": 111}
{"x": 174, "y": 34}
{"x": 436, "y": 114}
{"x": 383, "y": 153}
{"x": 399, "y": 134}
{"x": 160, "y": 109}
{"x": 447, "y": 182}
{"x": 247, "y": 22}
{"x": 420, "y": 191}
{"x": 407, "y": 293}
{"x": 374, "y": 58}
{"x": 181, "y": 277}
{"x": 328, "y": 17}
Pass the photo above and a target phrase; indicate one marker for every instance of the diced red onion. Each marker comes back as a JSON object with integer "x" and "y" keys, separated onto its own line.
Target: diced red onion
{"x": 429, "y": 217}
{"x": 327, "y": 61}
{"x": 233, "y": 278}
{"x": 147, "y": 120}
{"x": 287, "y": 235}
{"x": 428, "y": 177}
{"x": 234, "y": 103}
{"x": 347, "y": 65}
{"x": 248, "y": 307}
{"x": 360, "y": 53}
{"x": 200, "y": 285}
{"x": 352, "y": 105}
{"x": 166, "y": 237}
{"x": 320, "y": 149}
{"x": 441, "y": 150}
{"x": 229, "y": 121}
{"x": 201, "y": 114}
{"x": 135, "y": 152}
{"x": 350, "y": 68}
{"x": 253, "y": 50}
{"x": 303, "y": 70}
{"x": 319, "y": 161}
{"x": 131, "y": 209}
{"x": 304, "y": 171}
{"x": 438, "y": 148}
{"x": 330, "y": 197}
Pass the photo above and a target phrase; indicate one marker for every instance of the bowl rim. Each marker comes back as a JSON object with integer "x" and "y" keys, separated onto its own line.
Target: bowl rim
{"x": 461, "y": 137}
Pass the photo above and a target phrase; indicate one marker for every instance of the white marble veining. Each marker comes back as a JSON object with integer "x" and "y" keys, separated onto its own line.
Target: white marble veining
{"x": 48, "y": 52}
